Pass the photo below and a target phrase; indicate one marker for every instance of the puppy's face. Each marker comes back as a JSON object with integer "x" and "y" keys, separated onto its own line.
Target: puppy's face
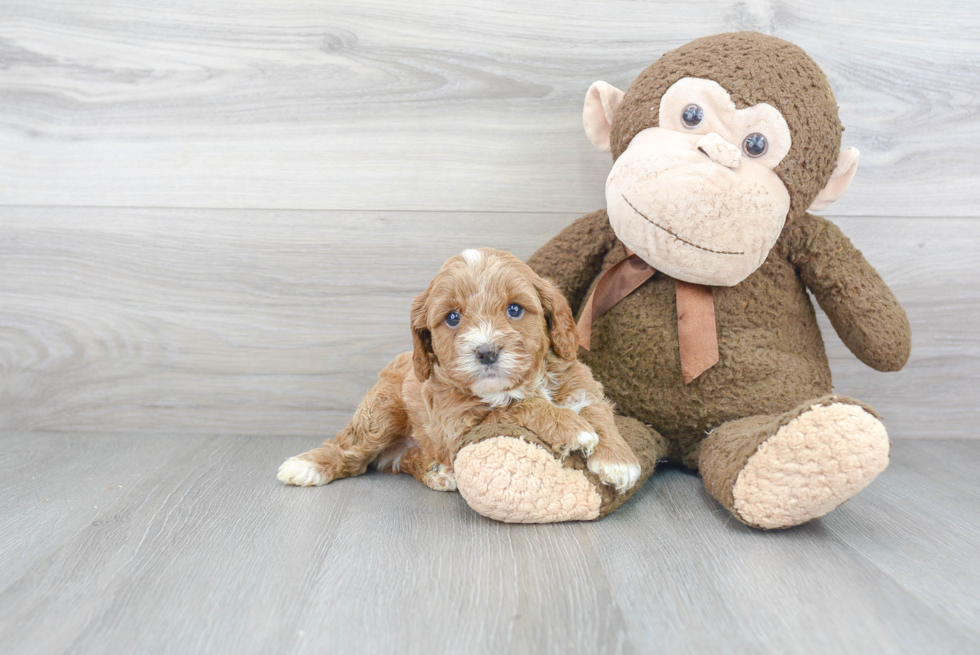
{"x": 486, "y": 322}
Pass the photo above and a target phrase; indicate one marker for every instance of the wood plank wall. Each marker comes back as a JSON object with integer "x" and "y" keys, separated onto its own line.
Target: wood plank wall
{"x": 213, "y": 215}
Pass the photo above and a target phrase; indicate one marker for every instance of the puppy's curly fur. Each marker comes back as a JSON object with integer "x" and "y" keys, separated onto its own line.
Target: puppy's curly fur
{"x": 493, "y": 343}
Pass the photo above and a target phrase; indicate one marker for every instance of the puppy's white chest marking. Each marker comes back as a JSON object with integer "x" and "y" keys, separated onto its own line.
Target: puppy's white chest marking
{"x": 546, "y": 392}
{"x": 578, "y": 404}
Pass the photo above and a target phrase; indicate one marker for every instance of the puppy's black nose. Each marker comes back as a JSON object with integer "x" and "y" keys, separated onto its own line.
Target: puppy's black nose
{"x": 487, "y": 354}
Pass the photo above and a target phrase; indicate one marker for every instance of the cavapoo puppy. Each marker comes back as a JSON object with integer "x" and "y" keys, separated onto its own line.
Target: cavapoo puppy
{"x": 493, "y": 343}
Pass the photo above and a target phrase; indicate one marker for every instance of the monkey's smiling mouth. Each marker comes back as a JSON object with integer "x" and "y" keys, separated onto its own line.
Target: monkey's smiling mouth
{"x": 679, "y": 238}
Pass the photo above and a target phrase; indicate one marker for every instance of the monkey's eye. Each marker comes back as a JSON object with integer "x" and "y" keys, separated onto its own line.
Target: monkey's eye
{"x": 453, "y": 318}
{"x": 693, "y": 116}
{"x": 514, "y": 310}
{"x": 755, "y": 145}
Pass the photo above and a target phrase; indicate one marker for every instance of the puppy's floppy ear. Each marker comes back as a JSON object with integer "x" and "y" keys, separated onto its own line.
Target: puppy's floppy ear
{"x": 561, "y": 322}
{"x": 422, "y": 353}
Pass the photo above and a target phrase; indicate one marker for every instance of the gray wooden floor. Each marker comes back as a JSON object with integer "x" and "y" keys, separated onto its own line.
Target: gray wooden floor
{"x": 116, "y": 544}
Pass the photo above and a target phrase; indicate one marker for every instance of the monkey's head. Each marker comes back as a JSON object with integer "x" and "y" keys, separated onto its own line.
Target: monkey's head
{"x": 717, "y": 145}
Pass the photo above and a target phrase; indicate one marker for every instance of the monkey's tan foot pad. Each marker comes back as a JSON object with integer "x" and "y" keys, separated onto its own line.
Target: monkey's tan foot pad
{"x": 514, "y": 481}
{"x": 811, "y": 465}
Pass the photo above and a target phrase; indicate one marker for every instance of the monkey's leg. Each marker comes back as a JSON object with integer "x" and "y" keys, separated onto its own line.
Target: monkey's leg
{"x": 560, "y": 428}
{"x": 776, "y": 472}
{"x": 507, "y": 473}
{"x": 379, "y": 421}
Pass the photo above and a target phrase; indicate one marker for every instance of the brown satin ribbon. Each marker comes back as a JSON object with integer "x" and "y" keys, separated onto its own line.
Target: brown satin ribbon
{"x": 697, "y": 334}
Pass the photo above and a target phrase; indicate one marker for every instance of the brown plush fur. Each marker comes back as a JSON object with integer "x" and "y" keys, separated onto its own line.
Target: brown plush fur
{"x": 753, "y": 68}
{"x": 427, "y": 400}
{"x": 772, "y": 356}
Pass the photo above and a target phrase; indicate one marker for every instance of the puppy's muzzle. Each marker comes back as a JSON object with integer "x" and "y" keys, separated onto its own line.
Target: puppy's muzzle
{"x": 487, "y": 354}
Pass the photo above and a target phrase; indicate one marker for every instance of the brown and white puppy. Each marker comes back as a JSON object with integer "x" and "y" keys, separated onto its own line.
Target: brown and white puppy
{"x": 493, "y": 343}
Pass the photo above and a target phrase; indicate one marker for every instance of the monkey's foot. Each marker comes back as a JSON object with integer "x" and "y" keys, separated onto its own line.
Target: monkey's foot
{"x": 806, "y": 464}
{"x": 515, "y": 481}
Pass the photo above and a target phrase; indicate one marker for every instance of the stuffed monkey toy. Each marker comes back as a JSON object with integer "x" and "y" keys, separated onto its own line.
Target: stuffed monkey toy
{"x": 690, "y": 292}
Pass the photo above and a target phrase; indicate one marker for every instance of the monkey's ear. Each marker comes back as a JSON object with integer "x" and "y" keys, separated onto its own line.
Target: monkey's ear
{"x": 422, "y": 353}
{"x": 840, "y": 179}
{"x": 601, "y": 102}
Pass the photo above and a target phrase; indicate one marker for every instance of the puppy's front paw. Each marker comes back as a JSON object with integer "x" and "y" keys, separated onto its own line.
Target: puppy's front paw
{"x": 620, "y": 475}
{"x": 302, "y": 473}
{"x": 583, "y": 440}
{"x": 441, "y": 478}
{"x": 587, "y": 441}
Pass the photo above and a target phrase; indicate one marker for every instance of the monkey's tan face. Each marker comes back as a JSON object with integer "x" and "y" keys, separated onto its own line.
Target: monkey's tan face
{"x": 697, "y": 197}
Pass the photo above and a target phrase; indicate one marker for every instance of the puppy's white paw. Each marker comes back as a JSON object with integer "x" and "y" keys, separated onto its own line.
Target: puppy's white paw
{"x": 441, "y": 478}
{"x": 302, "y": 473}
{"x": 587, "y": 441}
{"x": 621, "y": 475}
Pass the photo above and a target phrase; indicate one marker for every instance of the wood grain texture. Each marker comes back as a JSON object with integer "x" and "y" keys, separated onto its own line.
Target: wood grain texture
{"x": 937, "y": 556}
{"x": 277, "y": 322}
{"x": 437, "y": 105}
{"x": 229, "y": 321}
{"x": 931, "y": 265}
{"x": 213, "y": 218}
{"x": 55, "y": 485}
{"x": 208, "y": 553}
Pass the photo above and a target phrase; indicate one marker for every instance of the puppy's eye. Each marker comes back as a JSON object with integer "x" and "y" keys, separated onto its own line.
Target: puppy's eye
{"x": 453, "y": 318}
{"x": 692, "y": 116}
{"x": 514, "y": 310}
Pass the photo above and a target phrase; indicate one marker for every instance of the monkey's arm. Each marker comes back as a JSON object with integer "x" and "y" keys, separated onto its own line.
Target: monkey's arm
{"x": 861, "y": 307}
{"x": 573, "y": 258}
